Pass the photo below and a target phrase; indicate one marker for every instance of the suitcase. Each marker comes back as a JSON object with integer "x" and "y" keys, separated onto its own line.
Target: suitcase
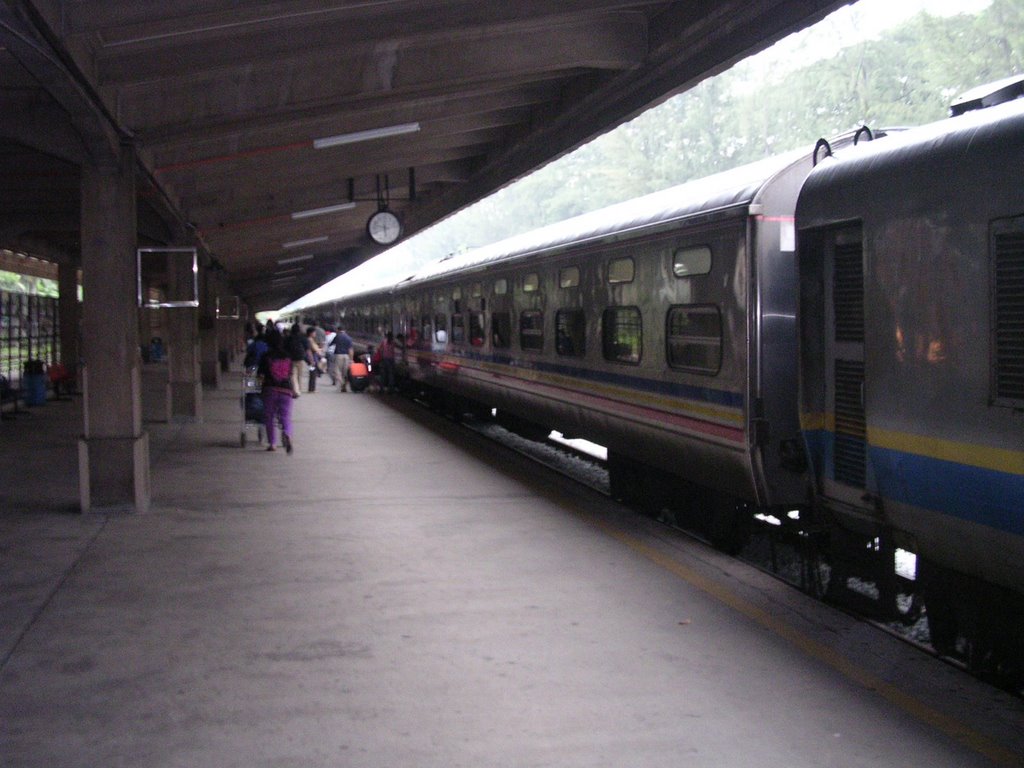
{"x": 254, "y": 411}
{"x": 358, "y": 376}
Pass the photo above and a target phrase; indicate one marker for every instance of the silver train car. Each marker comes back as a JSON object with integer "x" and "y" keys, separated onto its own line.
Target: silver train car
{"x": 663, "y": 328}
{"x": 836, "y": 344}
{"x": 911, "y": 267}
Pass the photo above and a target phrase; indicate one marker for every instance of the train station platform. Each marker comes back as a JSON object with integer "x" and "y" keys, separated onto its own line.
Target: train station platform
{"x": 398, "y": 592}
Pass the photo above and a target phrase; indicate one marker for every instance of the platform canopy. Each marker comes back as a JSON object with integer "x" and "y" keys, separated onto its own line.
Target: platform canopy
{"x": 270, "y": 132}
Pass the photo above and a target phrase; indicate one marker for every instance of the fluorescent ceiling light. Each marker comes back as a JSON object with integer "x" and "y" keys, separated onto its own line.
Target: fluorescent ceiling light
{"x": 322, "y": 211}
{"x": 289, "y": 271}
{"x": 293, "y": 259}
{"x": 307, "y": 241}
{"x": 373, "y": 133}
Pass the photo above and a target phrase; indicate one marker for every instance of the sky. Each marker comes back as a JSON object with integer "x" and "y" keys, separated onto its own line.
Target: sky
{"x": 851, "y": 24}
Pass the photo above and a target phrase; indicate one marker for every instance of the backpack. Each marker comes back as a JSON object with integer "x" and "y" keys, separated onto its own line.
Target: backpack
{"x": 280, "y": 372}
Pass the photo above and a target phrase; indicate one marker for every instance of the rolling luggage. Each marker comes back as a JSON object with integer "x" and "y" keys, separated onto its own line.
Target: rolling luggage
{"x": 358, "y": 376}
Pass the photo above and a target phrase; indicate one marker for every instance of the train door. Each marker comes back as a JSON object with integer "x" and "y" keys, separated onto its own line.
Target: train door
{"x": 834, "y": 391}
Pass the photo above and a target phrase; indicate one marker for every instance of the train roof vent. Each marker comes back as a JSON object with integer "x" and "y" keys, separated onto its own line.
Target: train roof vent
{"x": 988, "y": 95}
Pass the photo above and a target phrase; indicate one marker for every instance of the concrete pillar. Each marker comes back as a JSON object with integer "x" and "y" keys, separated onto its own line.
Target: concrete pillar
{"x": 208, "y": 347}
{"x": 70, "y": 316}
{"x": 184, "y": 386}
{"x": 113, "y": 453}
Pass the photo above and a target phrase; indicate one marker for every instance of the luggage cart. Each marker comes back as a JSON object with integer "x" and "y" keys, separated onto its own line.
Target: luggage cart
{"x": 252, "y": 404}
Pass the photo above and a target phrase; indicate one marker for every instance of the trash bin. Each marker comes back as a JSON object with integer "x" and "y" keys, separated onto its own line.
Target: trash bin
{"x": 34, "y": 382}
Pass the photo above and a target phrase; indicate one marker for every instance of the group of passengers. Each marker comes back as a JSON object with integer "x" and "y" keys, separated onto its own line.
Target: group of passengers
{"x": 280, "y": 357}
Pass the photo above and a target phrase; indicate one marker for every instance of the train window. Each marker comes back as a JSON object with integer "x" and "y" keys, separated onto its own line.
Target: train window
{"x": 428, "y": 331}
{"x": 569, "y": 277}
{"x": 694, "y": 260}
{"x": 694, "y": 338}
{"x": 570, "y": 332}
{"x": 620, "y": 270}
{"x": 501, "y": 328}
{"x": 476, "y": 329}
{"x": 441, "y": 329}
{"x": 622, "y": 335}
{"x": 458, "y": 329}
{"x": 531, "y": 329}
{"x": 501, "y": 286}
{"x": 531, "y": 282}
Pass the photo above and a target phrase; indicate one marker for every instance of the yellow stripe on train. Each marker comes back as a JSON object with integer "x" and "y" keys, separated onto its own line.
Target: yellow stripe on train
{"x": 970, "y": 454}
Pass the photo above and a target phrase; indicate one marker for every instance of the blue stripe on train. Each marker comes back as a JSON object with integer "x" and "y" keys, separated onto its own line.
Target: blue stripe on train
{"x": 975, "y": 494}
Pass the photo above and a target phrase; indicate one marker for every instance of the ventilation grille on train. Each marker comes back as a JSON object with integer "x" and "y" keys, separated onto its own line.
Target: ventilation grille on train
{"x": 848, "y": 292}
{"x": 1009, "y": 316}
{"x": 851, "y": 427}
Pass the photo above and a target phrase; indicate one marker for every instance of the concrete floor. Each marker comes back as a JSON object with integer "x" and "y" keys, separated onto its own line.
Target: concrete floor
{"x": 388, "y": 596}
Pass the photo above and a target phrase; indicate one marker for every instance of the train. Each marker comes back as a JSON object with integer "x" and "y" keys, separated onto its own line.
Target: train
{"x": 831, "y": 339}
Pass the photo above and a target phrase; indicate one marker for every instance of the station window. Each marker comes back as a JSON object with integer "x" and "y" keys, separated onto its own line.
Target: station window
{"x": 692, "y": 260}
{"x": 476, "y": 290}
{"x": 569, "y": 277}
{"x": 501, "y": 286}
{"x": 501, "y": 328}
{"x": 621, "y": 270}
{"x": 458, "y": 329}
{"x": 693, "y": 338}
{"x": 531, "y": 282}
{"x": 570, "y": 332}
{"x": 531, "y": 329}
{"x": 476, "y": 329}
{"x": 441, "y": 329}
{"x": 622, "y": 335}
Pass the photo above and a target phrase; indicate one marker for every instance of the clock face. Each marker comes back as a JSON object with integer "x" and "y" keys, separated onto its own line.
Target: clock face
{"x": 384, "y": 227}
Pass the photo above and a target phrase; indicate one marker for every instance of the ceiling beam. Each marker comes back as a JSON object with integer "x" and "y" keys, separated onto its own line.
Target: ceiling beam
{"x": 22, "y": 37}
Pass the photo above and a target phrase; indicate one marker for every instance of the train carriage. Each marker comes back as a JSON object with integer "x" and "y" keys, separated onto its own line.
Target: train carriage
{"x": 912, "y": 357}
{"x": 663, "y": 328}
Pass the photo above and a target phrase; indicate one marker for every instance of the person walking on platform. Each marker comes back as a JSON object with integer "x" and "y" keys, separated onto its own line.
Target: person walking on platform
{"x": 276, "y": 369}
{"x": 329, "y": 353}
{"x": 314, "y": 356}
{"x": 298, "y": 350}
{"x": 386, "y": 351}
{"x": 256, "y": 348}
{"x": 343, "y": 356}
